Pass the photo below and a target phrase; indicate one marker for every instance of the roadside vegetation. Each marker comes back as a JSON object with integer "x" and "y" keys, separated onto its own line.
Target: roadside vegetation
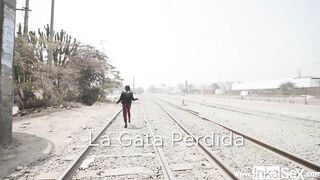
{"x": 78, "y": 72}
{"x": 287, "y": 88}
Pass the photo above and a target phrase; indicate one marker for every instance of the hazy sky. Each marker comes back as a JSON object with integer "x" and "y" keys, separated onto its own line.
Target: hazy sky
{"x": 202, "y": 41}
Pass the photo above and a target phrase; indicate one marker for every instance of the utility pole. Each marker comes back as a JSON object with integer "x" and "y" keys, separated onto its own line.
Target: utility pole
{"x": 7, "y": 29}
{"x": 26, "y": 10}
{"x": 187, "y": 89}
{"x": 26, "y": 19}
{"x": 50, "y": 53}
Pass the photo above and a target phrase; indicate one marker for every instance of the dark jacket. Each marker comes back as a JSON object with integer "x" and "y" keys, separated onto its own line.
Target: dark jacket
{"x": 126, "y": 97}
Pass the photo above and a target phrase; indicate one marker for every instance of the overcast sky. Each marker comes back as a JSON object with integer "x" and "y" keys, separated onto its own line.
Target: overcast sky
{"x": 202, "y": 41}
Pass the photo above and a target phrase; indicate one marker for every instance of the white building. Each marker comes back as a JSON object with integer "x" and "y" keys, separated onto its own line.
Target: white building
{"x": 302, "y": 82}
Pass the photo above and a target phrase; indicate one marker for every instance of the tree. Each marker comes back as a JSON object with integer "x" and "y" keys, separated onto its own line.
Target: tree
{"x": 27, "y": 73}
{"x": 287, "y": 88}
{"x": 214, "y": 87}
{"x": 63, "y": 45}
{"x": 93, "y": 75}
{"x": 78, "y": 73}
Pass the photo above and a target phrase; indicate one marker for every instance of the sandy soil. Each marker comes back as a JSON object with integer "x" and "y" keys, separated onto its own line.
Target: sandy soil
{"x": 36, "y": 138}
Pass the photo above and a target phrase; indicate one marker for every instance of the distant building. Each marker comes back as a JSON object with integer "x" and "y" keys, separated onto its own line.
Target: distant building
{"x": 301, "y": 82}
{"x": 162, "y": 89}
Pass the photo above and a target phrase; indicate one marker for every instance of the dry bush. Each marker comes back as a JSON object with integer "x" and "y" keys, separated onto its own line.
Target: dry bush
{"x": 78, "y": 74}
{"x": 89, "y": 68}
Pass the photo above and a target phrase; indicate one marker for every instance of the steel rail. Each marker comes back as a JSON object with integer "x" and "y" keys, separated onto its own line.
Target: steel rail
{"x": 165, "y": 166}
{"x": 222, "y": 165}
{"x": 68, "y": 173}
{"x": 286, "y": 154}
{"x": 253, "y": 113}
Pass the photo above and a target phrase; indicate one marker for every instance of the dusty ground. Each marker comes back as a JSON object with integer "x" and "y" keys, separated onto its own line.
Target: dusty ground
{"x": 37, "y": 138}
{"x": 46, "y": 143}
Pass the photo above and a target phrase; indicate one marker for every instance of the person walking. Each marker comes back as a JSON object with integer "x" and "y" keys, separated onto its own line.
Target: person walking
{"x": 126, "y": 99}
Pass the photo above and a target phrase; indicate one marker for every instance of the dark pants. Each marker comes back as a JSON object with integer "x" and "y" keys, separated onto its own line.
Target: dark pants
{"x": 126, "y": 112}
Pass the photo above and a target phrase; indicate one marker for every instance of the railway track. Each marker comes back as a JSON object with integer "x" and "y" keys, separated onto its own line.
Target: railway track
{"x": 287, "y": 155}
{"x": 150, "y": 157}
{"x": 204, "y": 166}
{"x": 68, "y": 173}
{"x": 157, "y": 159}
{"x": 169, "y": 169}
{"x": 210, "y": 156}
{"x": 252, "y": 113}
{"x": 260, "y": 114}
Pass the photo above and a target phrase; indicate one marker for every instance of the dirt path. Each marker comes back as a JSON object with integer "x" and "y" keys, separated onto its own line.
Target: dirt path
{"x": 36, "y": 139}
